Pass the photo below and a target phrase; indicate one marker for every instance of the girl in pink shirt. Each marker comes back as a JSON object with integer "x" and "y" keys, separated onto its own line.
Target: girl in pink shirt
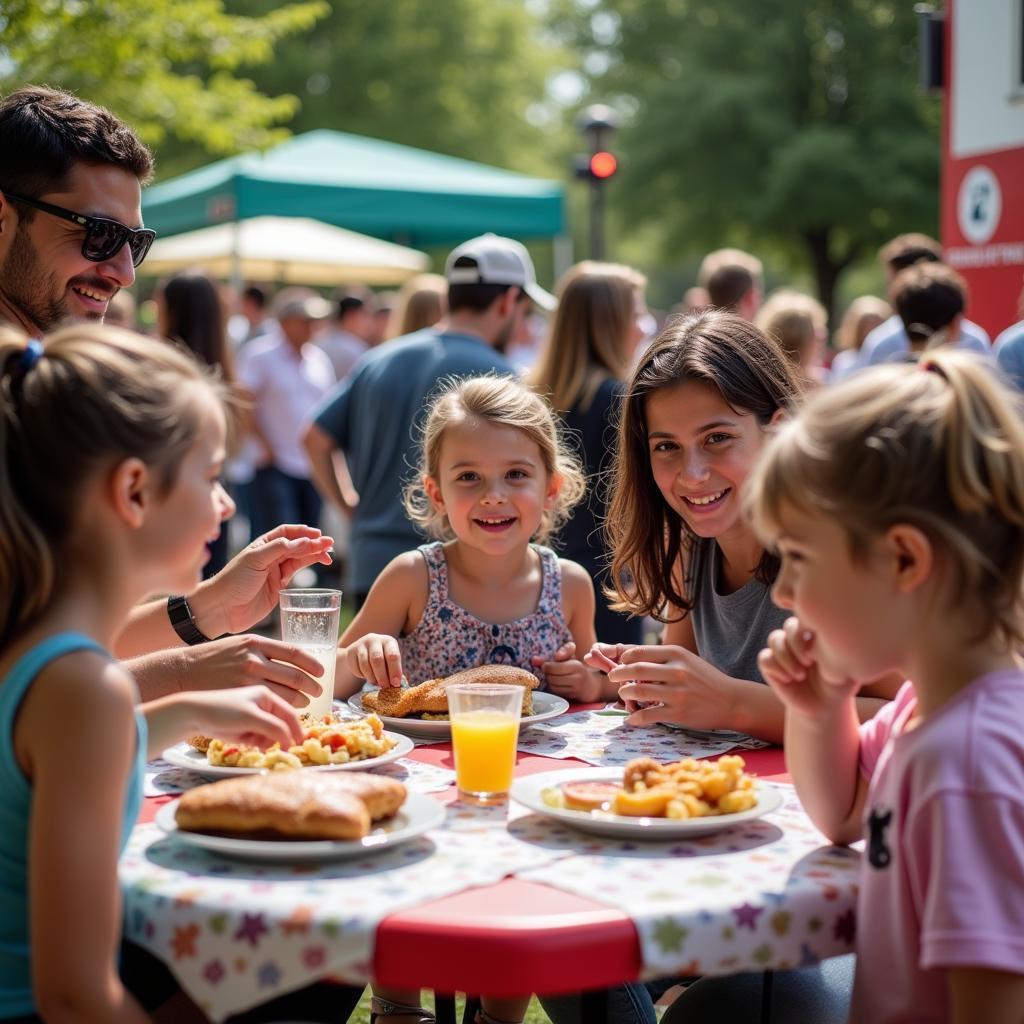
{"x": 896, "y": 502}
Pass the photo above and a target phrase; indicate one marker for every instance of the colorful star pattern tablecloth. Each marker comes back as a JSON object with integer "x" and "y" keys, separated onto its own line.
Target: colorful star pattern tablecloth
{"x": 237, "y": 933}
{"x": 768, "y": 894}
{"x": 603, "y": 738}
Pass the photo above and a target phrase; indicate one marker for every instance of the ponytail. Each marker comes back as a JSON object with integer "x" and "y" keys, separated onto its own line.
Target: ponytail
{"x": 70, "y": 407}
{"x": 939, "y": 446}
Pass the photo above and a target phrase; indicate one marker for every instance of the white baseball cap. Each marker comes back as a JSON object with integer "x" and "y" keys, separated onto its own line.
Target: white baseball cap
{"x": 498, "y": 260}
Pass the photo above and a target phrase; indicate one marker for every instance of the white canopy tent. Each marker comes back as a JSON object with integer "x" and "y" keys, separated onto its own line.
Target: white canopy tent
{"x": 286, "y": 250}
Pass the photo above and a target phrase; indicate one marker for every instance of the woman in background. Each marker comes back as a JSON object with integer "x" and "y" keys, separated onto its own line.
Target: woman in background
{"x": 581, "y": 370}
{"x": 191, "y": 313}
{"x": 422, "y": 301}
{"x": 862, "y": 316}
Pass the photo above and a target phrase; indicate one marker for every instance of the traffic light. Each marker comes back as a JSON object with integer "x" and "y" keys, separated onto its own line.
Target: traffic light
{"x": 599, "y": 166}
{"x": 597, "y": 124}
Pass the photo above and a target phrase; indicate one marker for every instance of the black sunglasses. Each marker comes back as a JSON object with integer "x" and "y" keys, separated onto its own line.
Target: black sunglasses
{"x": 103, "y": 237}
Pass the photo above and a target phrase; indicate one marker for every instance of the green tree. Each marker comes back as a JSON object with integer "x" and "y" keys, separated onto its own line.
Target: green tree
{"x": 168, "y": 67}
{"x": 459, "y": 77}
{"x": 797, "y": 125}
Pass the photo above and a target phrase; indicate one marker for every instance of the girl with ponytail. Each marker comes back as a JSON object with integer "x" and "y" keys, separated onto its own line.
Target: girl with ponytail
{"x": 896, "y": 503}
{"x": 111, "y": 448}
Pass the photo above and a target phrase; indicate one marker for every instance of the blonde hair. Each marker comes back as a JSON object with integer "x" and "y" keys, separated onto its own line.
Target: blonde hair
{"x": 509, "y": 403}
{"x": 94, "y": 396}
{"x": 794, "y": 320}
{"x": 854, "y": 326}
{"x": 589, "y": 337}
{"x": 422, "y": 301}
{"x": 941, "y": 450}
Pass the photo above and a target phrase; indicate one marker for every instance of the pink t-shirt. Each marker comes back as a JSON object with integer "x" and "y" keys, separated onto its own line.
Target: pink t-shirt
{"x": 942, "y": 883}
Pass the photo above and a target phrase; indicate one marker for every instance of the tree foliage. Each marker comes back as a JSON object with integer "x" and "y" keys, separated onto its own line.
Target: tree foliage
{"x": 459, "y": 77}
{"x": 791, "y": 123}
{"x": 171, "y": 68}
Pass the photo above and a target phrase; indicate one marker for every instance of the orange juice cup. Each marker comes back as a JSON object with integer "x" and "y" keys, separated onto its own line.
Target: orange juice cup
{"x": 485, "y": 727}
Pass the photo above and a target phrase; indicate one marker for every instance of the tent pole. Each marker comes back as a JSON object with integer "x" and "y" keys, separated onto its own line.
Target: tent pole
{"x": 236, "y": 259}
{"x": 562, "y": 253}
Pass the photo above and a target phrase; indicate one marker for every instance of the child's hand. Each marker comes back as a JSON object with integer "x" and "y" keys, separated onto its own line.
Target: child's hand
{"x": 376, "y": 658}
{"x": 251, "y": 715}
{"x": 568, "y": 677}
{"x": 604, "y": 657}
{"x": 789, "y": 665}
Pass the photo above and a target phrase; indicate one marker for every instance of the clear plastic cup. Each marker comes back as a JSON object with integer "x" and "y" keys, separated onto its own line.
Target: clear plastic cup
{"x": 309, "y": 619}
{"x": 485, "y": 728}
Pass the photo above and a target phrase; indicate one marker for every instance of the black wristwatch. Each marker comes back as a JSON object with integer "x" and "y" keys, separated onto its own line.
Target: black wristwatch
{"x": 184, "y": 624}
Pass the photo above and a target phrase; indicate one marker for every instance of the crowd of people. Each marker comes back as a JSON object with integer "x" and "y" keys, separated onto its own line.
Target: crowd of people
{"x": 834, "y": 546}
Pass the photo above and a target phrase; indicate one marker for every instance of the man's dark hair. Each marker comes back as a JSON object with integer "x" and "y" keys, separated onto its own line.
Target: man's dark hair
{"x": 350, "y": 298}
{"x": 906, "y": 250}
{"x": 256, "y": 295}
{"x": 45, "y": 132}
{"x": 928, "y": 297}
{"x": 477, "y": 298}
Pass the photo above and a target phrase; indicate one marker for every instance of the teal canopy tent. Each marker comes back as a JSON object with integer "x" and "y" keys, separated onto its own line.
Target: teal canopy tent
{"x": 378, "y": 188}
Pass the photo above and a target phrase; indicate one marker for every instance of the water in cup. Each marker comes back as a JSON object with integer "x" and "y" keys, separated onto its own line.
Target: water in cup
{"x": 309, "y": 619}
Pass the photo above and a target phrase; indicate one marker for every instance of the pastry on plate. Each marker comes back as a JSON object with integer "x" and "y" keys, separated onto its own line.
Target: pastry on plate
{"x": 291, "y": 805}
{"x": 430, "y": 699}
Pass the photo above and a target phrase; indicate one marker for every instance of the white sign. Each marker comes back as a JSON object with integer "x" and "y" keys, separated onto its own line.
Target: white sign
{"x": 979, "y": 205}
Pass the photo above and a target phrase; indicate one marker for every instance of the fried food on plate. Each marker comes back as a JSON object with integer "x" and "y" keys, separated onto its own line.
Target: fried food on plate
{"x": 291, "y": 805}
{"x": 430, "y": 699}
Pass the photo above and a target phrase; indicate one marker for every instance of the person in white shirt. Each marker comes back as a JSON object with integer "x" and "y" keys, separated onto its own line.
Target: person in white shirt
{"x": 285, "y": 376}
{"x": 888, "y": 342}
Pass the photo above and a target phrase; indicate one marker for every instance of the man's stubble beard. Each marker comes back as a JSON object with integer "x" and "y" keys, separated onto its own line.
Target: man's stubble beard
{"x": 25, "y": 286}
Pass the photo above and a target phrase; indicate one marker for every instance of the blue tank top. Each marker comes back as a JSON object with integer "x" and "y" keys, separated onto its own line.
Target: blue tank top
{"x": 15, "y": 810}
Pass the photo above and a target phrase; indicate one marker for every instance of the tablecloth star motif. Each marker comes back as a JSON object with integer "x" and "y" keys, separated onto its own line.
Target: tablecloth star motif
{"x": 747, "y": 915}
{"x": 187, "y": 897}
{"x": 314, "y": 957}
{"x": 808, "y": 958}
{"x": 669, "y": 935}
{"x": 252, "y": 929}
{"x": 218, "y": 923}
{"x": 214, "y": 972}
{"x": 183, "y": 942}
{"x": 268, "y": 974}
{"x": 763, "y": 954}
{"x": 298, "y": 921}
{"x": 780, "y": 922}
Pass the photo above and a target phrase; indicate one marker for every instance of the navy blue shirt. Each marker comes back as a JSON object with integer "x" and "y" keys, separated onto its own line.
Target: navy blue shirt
{"x": 373, "y": 416}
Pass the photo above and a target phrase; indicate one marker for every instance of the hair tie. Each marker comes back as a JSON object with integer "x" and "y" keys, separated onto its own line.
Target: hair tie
{"x": 930, "y": 366}
{"x": 30, "y": 355}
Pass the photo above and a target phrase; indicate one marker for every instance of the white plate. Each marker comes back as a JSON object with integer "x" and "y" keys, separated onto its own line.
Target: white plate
{"x": 418, "y": 814}
{"x": 529, "y": 790}
{"x": 545, "y": 706}
{"x": 181, "y": 755}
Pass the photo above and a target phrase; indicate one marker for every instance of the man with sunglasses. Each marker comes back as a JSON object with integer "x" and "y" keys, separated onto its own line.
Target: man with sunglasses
{"x": 71, "y": 181}
{"x": 70, "y": 238}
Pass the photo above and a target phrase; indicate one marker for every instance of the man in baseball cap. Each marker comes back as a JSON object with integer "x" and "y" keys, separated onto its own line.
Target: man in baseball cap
{"x": 491, "y": 259}
{"x": 372, "y": 415}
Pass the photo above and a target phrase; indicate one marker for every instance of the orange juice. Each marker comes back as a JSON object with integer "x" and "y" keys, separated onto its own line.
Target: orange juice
{"x": 485, "y": 751}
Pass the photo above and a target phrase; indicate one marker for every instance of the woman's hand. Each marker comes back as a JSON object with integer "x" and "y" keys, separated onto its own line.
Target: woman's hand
{"x": 235, "y": 661}
{"x": 789, "y": 665}
{"x": 252, "y": 716}
{"x": 246, "y": 589}
{"x": 671, "y": 684}
{"x": 569, "y": 677}
{"x": 376, "y": 658}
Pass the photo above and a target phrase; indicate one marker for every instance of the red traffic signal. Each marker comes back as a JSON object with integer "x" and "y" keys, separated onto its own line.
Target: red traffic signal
{"x": 599, "y": 166}
{"x": 603, "y": 165}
